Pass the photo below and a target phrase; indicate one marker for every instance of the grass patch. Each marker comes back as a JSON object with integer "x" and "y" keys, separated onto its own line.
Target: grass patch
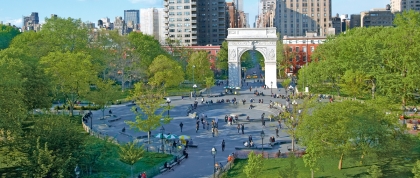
{"x": 329, "y": 168}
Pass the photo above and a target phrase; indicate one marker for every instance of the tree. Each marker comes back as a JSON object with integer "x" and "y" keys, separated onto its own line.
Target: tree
{"x": 130, "y": 154}
{"x": 64, "y": 139}
{"x": 254, "y": 165}
{"x": 247, "y": 61}
{"x": 200, "y": 60}
{"x": 350, "y": 129}
{"x": 222, "y": 57}
{"x": 375, "y": 171}
{"x": 166, "y": 71}
{"x": 291, "y": 171}
{"x": 71, "y": 74}
{"x": 94, "y": 152}
{"x": 146, "y": 47}
{"x": 7, "y": 33}
{"x": 286, "y": 83}
{"x": 42, "y": 161}
{"x": 416, "y": 169}
{"x": 103, "y": 94}
{"x": 354, "y": 83}
{"x": 36, "y": 84}
{"x": 209, "y": 83}
{"x": 282, "y": 62}
{"x": 61, "y": 34}
{"x": 150, "y": 100}
{"x": 12, "y": 93}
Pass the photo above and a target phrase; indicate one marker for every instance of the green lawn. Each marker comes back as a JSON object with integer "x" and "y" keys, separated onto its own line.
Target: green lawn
{"x": 351, "y": 168}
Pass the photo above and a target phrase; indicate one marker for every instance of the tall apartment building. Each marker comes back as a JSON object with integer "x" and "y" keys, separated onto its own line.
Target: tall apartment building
{"x": 336, "y": 25}
{"x": 247, "y": 20}
{"x": 132, "y": 17}
{"x": 152, "y": 22}
{"x": 31, "y": 22}
{"x": 295, "y": 18}
{"x": 403, "y": 5}
{"x": 239, "y": 5}
{"x": 193, "y": 22}
{"x": 265, "y": 8}
{"x": 233, "y": 15}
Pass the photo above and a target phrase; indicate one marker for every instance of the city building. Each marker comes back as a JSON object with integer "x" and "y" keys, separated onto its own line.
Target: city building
{"x": 152, "y": 22}
{"x": 213, "y": 22}
{"x": 132, "y": 18}
{"x": 336, "y": 25}
{"x": 31, "y": 22}
{"x": 265, "y": 10}
{"x": 403, "y": 5}
{"x": 247, "y": 20}
{"x": 105, "y": 23}
{"x": 377, "y": 17}
{"x": 193, "y": 22}
{"x": 355, "y": 20}
{"x": 233, "y": 14}
{"x": 299, "y": 49}
{"x": 239, "y": 5}
{"x": 295, "y": 18}
{"x": 120, "y": 26}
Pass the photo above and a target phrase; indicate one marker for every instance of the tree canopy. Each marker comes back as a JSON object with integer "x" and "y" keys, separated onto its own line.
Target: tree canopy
{"x": 7, "y": 33}
{"x": 200, "y": 64}
{"x": 165, "y": 71}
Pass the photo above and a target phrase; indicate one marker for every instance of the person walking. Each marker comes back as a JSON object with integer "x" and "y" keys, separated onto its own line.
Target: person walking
{"x": 263, "y": 123}
{"x": 250, "y": 138}
{"x": 212, "y": 131}
{"x": 277, "y": 132}
{"x": 242, "y": 128}
{"x": 181, "y": 125}
{"x": 223, "y": 145}
{"x": 238, "y": 127}
{"x": 196, "y": 128}
{"x": 204, "y": 124}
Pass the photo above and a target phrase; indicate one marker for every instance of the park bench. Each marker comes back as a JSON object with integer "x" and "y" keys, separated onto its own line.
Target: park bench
{"x": 131, "y": 104}
{"x": 142, "y": 136}
{"x": 113, "y": 120}
{"x": 192, "y": 146}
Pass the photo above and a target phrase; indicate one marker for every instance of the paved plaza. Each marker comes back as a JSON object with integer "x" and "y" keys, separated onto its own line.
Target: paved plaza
{"x": 200, "y": 161}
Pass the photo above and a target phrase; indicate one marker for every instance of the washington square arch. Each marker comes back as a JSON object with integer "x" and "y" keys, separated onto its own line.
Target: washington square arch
{"x": 262, "y": 40}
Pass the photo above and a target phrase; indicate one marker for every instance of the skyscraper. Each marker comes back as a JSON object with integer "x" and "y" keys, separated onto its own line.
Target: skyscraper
{"x": 239, "y": 5}
{"x": 196, "y": 23}
{"x": 133, "y": 17}
{"x": 152, "y": 23}
{"x": 295, "y": 18}
{"x": 30, "y": 22}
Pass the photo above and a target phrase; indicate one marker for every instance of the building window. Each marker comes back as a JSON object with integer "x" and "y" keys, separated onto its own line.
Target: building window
{"x": 304, "y": 58}
{"x": 186, "y": 7}
{"x": 304, "y": 49}
{"x": 186, "y": 1}
{"x": 297, "y": 59}
{"x": 178, "y": 7}
{"x": 187, "y": 35}
{"x": 187, "y": 41}
{"x": 297, "y": 49}
{"x": 179, "y": 13}
{"x": 312, "y": 49}
{"x": 171, "y": 7}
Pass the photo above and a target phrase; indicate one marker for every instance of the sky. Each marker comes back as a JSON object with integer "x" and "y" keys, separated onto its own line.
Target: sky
{"x": 12, "y": 11}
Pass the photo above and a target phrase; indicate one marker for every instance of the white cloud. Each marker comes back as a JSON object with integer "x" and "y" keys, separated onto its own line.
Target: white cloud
{"x": 145, "y": 1}
{"x": 17, "y": 22}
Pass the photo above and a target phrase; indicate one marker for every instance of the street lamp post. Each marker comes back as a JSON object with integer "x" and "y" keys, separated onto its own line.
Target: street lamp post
{"x": 162, "y": 130}
{"x": 294, "y": 119}
{"x": 168, "y": 100}
{"x": 77, "y": 171}
{"x": 213, "y": 152}
{"x": 262, "y": 141}
{"x": 194, "y": 81}
{"x": 271, "y": 87}
{"x": 195, "y": 95}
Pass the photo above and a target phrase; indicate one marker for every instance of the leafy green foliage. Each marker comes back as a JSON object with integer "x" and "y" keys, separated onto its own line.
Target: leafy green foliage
{"x": 375, "y": 171}
{"x": 150, "y": 100}
{"x": 146, "y": 47}
{"x": 222, "y": 57}
{"x": 247, "y": 61}
{"x": 71, "y": 74}
{"x": 7, "y": 33}
{"x": 130, "y": 154}
{"x": 290, "y": 171}
{"x": 202, "y": 70}
{"x": 103, "y": 94}
{"x": 416, "y": 169}
{"x": 166, "y": 71}
{"x": 351, "y": 129}
{"x": 254, "y": 166}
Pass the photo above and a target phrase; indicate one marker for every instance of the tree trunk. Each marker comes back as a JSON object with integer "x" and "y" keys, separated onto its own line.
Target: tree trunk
{"x": 340, "y": 163}
{"x": 148, "y": 137}
{"x": 71, "y": 108}
{"x": 132, "y": 171}
{"x": 373, "y": 88}
{"x": 293, "y": 144}
{"x": 312, "y": 173}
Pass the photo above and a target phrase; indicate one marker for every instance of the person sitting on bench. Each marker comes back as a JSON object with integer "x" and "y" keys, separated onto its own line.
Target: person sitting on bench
{"x": 185, "y": 153}
{"x": 166, "y": 166}
{"x": 251, "y": 144}
{"x": 110, "y": 112}
{"x": 246, "y": 144}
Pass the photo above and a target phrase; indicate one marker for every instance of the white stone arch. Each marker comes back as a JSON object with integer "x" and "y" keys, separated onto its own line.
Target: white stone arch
{"x": 263, "y": 40}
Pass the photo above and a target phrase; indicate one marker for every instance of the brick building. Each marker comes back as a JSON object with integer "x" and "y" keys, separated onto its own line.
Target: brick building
{"x": 299, "y": 49}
